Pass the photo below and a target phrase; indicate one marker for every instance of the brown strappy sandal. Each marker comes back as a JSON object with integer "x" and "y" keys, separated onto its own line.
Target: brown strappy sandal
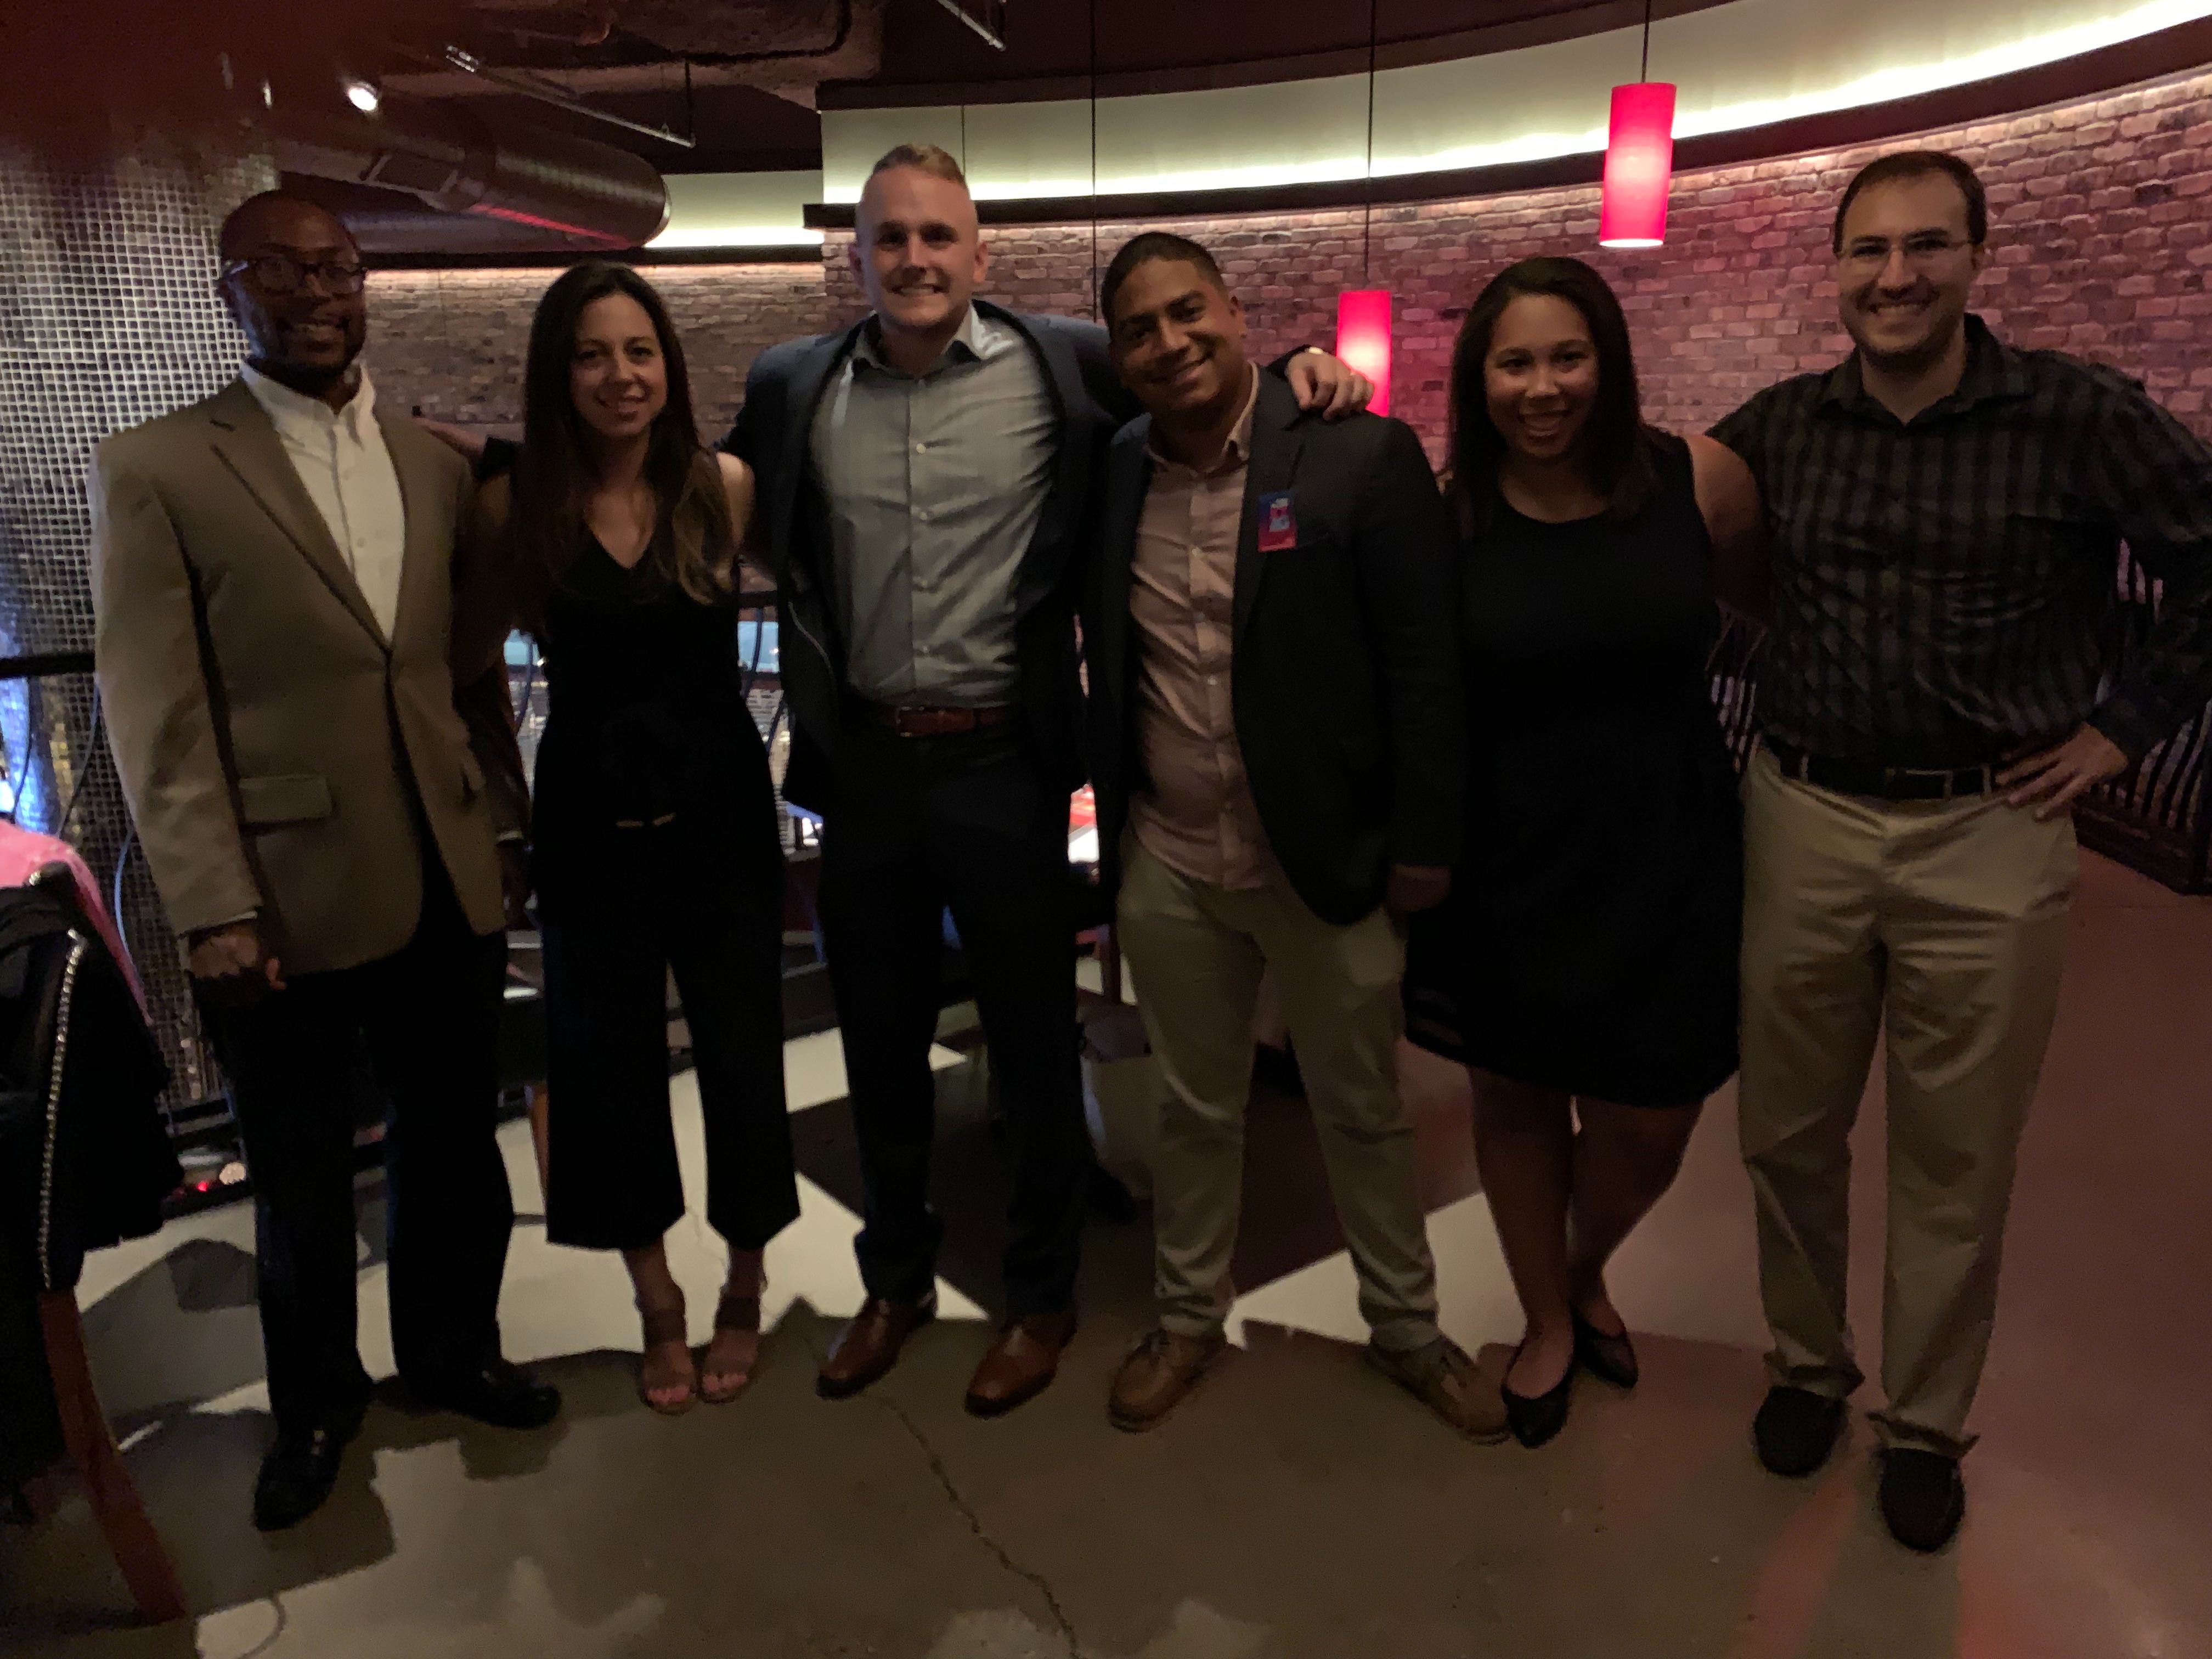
{"x": 736, "y": 1311}
{"x": 665, "y": 1327}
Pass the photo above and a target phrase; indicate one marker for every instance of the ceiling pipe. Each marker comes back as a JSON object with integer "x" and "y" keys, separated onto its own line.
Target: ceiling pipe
{"x": 548, "y": 191}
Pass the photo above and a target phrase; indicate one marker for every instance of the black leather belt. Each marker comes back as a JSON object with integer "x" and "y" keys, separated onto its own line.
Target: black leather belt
{"x": 1848, "y": 777}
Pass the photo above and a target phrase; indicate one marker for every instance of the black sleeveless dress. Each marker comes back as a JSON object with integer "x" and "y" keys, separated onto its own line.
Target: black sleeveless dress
{"x": 655, "y": 848}
{"x": 1590, "y": 941}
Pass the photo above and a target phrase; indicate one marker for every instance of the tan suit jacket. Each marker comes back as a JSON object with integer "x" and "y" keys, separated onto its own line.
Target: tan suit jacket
{"x": 278, "y": 752}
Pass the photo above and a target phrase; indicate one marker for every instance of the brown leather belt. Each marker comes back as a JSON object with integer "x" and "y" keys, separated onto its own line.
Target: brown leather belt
{"x": 914, "y": 720}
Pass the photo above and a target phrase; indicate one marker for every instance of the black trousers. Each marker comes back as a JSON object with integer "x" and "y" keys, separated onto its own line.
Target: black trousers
{"x": 427, "y": 1020}
{"x": 702, "y": 896}
{"x": 971, "y": 823}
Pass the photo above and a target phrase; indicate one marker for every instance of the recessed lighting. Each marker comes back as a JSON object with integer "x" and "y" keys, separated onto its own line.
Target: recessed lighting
{"x": 363, "y": 95}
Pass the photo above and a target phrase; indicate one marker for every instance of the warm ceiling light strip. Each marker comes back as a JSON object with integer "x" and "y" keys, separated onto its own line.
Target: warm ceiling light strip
{"x": 1544, "y": 141}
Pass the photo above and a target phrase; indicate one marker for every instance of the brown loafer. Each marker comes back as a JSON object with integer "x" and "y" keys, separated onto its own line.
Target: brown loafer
{"x": 1159, "y": 1372}
{"x": 870, "y": 1345}
{"x": 1021, "y": 1363}
{"x": 1443, "y": 1379}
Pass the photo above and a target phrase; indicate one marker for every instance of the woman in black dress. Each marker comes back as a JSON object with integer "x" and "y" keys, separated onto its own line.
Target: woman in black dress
{"x": 653, "y": 821}
{"x": 1584, "y": 967}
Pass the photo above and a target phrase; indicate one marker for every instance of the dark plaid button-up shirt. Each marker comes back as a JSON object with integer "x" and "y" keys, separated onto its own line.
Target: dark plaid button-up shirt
{"x": 1946, "y": 590}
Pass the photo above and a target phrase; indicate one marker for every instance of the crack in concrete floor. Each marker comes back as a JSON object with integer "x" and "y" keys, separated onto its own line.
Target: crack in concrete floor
{"x": 975, "y": 1521}
{"x": 968, "y": 1513}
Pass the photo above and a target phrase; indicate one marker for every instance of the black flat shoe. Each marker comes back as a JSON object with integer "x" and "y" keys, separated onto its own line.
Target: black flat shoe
{"x": 1923, "y": 1496}
{"x": 298, "y": 1473}
{"x": 1535, "y": 1418}
{"x": 1796, "y": 1430}
{"x": 1610, "y": 1357}
{"x": 498, "y": 1393}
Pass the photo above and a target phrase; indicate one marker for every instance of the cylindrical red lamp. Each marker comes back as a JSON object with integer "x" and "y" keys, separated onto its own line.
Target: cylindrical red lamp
{"x": 1362, "y": 338}
{"x": 1639, "y": 165}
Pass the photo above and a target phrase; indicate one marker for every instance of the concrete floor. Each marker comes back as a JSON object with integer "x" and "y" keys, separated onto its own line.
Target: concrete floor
{"x": 1298, "y": 1506}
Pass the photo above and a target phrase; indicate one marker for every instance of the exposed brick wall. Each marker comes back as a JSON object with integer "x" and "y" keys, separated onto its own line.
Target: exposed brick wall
{"x": 451, "y": 341}
{"x": 2100, "y": 236}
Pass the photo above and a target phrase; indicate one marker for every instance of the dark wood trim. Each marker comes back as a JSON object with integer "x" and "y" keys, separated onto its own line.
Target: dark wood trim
{"x": 1447, "y": 47}
{"x": 146, "y": 1566}
{"x": 2184, "y": 48}
{"x": 796, "y": 254}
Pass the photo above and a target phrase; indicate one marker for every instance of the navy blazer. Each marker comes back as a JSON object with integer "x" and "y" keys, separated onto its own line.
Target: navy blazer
{"x": 1346, "y": 685}
{"x": 773, "y": 435}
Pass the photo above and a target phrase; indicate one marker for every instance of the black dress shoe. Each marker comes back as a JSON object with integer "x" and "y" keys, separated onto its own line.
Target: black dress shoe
{"x": 498, "y": 1393}
{"x": 1611, "y": 1357}
{"x": 1924, "y": 1497}
{"x": 1535, "y": 1418}
{"x": 1796, "y": 1430}
{"x": 299, "y": 1472}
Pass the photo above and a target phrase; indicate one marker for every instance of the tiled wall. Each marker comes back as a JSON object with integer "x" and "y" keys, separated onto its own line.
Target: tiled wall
{"x": 108, "y": 318}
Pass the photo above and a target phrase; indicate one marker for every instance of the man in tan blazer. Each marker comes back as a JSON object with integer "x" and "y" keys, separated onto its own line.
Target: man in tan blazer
{"x": 274, "y": 585}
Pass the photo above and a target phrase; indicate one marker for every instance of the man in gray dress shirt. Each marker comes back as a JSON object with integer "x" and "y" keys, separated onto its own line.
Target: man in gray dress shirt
{"x": 928, "y": 488}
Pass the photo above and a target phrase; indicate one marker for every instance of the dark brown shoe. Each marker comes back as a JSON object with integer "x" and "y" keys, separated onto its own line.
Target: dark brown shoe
{"x": 1021, "y": 1363}
{"x": 870, "y": 1345}
{"x": 1443, "y": 1379}
{"x": 1158, "y": 1372}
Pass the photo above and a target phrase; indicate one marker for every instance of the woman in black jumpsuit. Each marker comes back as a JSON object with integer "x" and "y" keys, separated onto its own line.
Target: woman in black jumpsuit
{"x": 654, "y": 820}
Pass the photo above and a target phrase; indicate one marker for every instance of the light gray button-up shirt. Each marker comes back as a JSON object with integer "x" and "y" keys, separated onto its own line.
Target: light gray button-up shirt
{"x": 935, "y": 485}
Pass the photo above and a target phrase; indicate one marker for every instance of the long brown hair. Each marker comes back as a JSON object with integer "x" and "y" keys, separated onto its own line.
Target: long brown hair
{"x": 1616, "y": 441}
{"x": 694, "y": 544}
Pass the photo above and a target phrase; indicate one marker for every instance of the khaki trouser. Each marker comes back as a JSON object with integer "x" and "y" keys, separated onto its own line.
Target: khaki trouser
{"x": 1198, "y": 952}
{"x": 1941, "y": 925}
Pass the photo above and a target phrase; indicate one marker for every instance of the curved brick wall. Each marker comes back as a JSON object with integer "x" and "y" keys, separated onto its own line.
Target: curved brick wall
{"x": 2100, "y": 231}
{"x": 2099, "y": 228}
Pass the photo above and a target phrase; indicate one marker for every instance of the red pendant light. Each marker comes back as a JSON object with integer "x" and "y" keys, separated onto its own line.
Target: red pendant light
{"x": 1639, "y": 159}
{"x": 1363, "y": 314}
{"x": 1362, "y": 339}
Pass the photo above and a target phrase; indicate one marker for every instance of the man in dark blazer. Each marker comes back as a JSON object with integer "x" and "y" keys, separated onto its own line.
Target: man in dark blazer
{"x": 1278, "y": 752}
{"x": 928, "y": 483}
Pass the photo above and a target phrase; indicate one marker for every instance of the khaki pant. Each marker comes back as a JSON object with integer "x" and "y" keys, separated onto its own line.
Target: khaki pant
{"x": 1198, "y": 952}
{"x": 1941, "y": 926}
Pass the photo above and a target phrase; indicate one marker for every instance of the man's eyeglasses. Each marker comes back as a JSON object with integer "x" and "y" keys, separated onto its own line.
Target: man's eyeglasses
{"x": 279, "y": 273}
{"x": 1872, "y": 253}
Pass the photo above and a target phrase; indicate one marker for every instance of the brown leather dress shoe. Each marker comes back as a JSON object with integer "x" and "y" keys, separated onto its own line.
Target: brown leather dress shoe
{"x": 870, "y": 1345}
{"x": 1443, "y": 1379}
{"x": 1158, "y": 1372}
{"x": 1021, "y": 1363}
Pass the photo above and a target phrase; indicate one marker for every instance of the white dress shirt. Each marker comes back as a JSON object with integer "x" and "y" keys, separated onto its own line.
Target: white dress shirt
{"x": 341, "y": 457}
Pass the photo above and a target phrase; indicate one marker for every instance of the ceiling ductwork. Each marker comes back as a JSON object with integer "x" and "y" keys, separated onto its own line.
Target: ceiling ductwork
{"x": 521, "y": 188}
{"x": 786, "y": 47}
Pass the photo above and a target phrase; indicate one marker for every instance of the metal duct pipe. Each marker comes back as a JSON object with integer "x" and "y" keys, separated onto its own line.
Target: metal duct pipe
{"x": 544, "y": 189}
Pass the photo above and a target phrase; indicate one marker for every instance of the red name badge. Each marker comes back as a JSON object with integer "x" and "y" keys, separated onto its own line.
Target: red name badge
{"x": 1279, "y": 525}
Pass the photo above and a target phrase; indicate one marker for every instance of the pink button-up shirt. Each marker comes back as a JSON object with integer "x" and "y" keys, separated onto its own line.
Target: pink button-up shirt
{"x": 1197, "y": 817}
